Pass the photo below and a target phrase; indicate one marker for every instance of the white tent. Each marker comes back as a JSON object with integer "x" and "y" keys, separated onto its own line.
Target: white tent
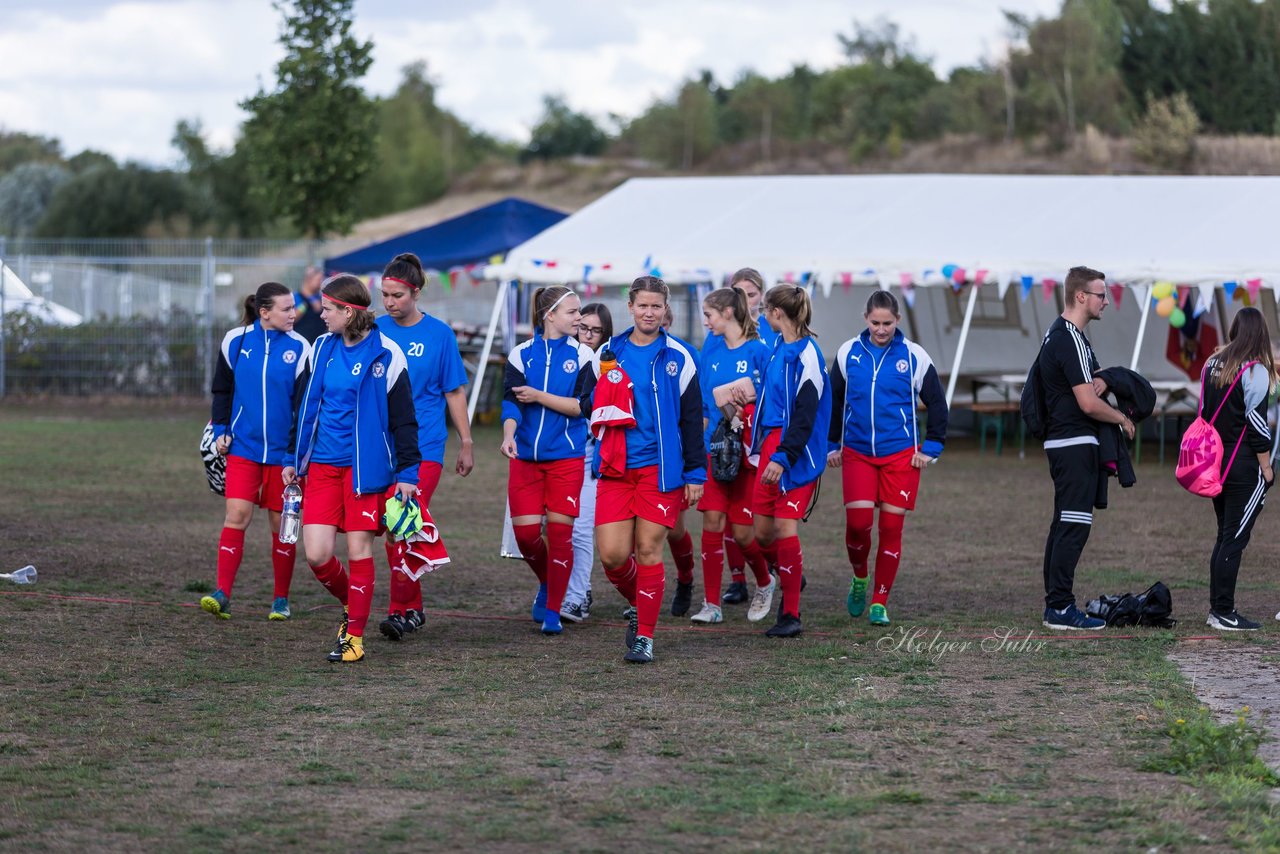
{"x": 16, "y": 297}
{"x": 841, "y": 232}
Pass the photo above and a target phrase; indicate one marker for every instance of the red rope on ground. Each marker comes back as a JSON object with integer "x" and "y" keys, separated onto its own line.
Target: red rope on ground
{"x": 723, "y": 630}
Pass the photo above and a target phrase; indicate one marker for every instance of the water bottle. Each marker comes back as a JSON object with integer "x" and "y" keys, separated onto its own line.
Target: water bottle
{"x": 291, "y": 515}
{"x": 26, "y": 575}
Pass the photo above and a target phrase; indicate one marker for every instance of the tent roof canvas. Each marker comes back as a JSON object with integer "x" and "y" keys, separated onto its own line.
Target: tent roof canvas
{"x": 472, "y": 237}
{"x": 1187, "y": 229}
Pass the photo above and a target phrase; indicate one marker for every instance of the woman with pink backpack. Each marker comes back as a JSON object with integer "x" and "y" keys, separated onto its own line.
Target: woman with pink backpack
{"x": 1236, "y": 383}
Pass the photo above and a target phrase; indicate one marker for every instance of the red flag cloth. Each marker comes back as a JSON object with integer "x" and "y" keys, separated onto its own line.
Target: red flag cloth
{"x": 1189, "y": 347}
{"x": 424, "y": 551}
{"x": 1117, "y": 292}
{"x": 612, "y": 415}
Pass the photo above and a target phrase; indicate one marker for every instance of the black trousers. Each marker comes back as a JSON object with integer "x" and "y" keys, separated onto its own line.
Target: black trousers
{"x": 1075, "y": 484}
{"x": 1237, "y": 508}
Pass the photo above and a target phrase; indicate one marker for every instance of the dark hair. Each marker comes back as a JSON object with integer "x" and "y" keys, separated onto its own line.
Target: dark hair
{"x": 882, "y": 299}
{"x": 795, "y": 304}
{"x": 544, "y": 299}
{"x": 263, "y": 299}
{"x": 668, "y": 317}
{"x": 407, "y": 268}
{"x": 736, "y": 299}
{"x": 1078, "y": 278}
{"x": 652, "y": 284}
{"x": 748, "y": 274}
{"x": 1248, "y": 341}
{"x": 601, "y": 311}
{"x": 345, "y": 287}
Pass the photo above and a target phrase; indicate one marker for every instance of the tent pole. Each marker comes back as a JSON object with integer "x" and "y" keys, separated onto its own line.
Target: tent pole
{"x": 1142, "y": 328}
{"x": 484, "y": 351}
{"x": 964, "y": 336}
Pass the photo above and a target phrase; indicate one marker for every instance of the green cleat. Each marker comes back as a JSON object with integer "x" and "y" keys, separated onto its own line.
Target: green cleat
{"x": 879, "y": 616}
{"x": 279, "y": 609}
{"x": 217, "y": 604}
{"x": 856, "y": 601}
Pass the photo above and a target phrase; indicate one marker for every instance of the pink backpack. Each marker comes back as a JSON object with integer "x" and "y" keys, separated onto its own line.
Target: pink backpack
{"x": 1200, "y": 468}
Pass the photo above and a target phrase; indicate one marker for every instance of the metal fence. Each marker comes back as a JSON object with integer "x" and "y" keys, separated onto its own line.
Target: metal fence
{"x": 143, "y": 317}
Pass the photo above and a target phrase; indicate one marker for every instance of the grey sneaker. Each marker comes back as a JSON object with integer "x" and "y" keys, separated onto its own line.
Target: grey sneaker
{"x": 709, "y": 614}
{"x": 641, "y": 651}
{"x": 762, "y": 601}
{"x": 573, "y": 613}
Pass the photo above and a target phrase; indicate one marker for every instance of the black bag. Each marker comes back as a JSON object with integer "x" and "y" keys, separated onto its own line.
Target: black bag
{"x": 215, "y": 464}
{"x": 1152, "y": 608}
{"x": 726, "y": 451}
{"x": 1035, "y": 412}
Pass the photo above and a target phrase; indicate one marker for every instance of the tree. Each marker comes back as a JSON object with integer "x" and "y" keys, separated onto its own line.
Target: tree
{"x": 25, "y": 194}
{"x": 111, "y": 201}
{"x": 221, "y": 191}
{"x": 17, "y": 148}
{"x": 1166, "y": 136}
{"x": 311, "y": 139}
{"x": 561, "y": 132}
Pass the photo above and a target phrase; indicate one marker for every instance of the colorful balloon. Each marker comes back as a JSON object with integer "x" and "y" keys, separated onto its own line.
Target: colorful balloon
{"x": 1165, "y": 306}
{"x": 1177, "y": 318}
{"x": 1162, "y": 290}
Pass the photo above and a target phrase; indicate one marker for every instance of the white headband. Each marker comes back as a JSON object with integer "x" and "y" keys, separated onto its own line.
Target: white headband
{"x": 557, "y": 302}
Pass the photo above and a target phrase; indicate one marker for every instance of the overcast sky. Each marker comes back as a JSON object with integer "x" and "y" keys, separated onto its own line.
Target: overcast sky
{"x": 117, "y": 76}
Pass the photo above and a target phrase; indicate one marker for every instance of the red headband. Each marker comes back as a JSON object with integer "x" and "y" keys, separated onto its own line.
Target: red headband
{"x": 347, "y": 304}
{"x": 403, "y": 282}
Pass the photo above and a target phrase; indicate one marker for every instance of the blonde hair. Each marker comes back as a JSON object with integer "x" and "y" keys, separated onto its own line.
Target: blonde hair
{"x": 734, "y": 298}
{"x": 544, "y": 299}
{"x": 795, "y": 304}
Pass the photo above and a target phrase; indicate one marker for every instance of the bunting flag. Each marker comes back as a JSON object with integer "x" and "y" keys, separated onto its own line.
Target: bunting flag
{"x": 1027, "y": 282}
{"x": 904, "y": 279}
{"x": 1229, "y": 288}
{"x": 1181, "y": 292}
{"x": 496, "y": 259}
{"x": 1205, "y": 301}
{"x": 1117, "y": 293}
{"x": 586, "y": 273}
{"x": 846, "y": 281}
{"x": 979, "y": 277}
{"x": 1048, "y": 286}
{"x": 1254, "y": 285}
{"x": 1002, "y": 284}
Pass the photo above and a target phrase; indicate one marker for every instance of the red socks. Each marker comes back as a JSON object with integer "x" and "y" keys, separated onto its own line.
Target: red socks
{"x": 283, "y": 556}
{"x": 560, "y": 563}
{"x": 230, "y": 552}
{"x": 534, "y": 549}
{"x": 624, "y": 579}
{"x": 712, "y": 565}
{"x": 737, "y": 559}
{"x": 754, "y": 556}
{"x": 333, "y": 577}
{"x": 650, "y": 582}
{"x": 682, "y": 554}
{"x": 770, "y": 553}
{"x": 401, "y": 587}
{"x": 790, "y": 566}
{"x": 857, "y": 536}
{"x": 361, "y": 596}
{"x": 888, "y": 557}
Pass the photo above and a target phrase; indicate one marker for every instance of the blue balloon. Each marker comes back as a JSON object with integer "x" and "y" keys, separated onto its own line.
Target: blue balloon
{"x": 948, "y": 270}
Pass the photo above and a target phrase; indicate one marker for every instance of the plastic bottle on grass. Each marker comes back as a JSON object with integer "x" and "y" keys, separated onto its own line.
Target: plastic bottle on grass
{"x": 291, "y": 515}
{"x": 26, "y": 575}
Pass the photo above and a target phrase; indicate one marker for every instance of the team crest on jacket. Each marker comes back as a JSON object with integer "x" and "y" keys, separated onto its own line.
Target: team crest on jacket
{"x": 672, "y": 368}
{"x": 902, "y": 366}
{"x": 570, "y": 365}
{"x": 378, "y": 369}
{"x": 614, "y": 376}
{"x": 290, "y": 357}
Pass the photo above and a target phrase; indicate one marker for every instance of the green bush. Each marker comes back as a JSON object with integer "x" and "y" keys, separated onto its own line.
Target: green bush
{"x": 141, "y": 357}
{"x": 1166, "y": 135}
{"x": 1199, "y": 745}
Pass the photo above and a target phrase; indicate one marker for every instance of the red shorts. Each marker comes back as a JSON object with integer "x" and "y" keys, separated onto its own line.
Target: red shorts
{"x": 621, "y": 499}
{"x": 770, "y": 499}
{"x": 732, "y": 499}
{"x": 254, "y": 482}
{"x": 331, "y": 500}
{"x": 885, "y": 480}
{"x": 535, "y": 489}
{"x": 428, "y": 480}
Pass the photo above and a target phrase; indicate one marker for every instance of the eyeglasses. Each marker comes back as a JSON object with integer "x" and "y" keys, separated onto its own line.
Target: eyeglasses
{"x": 1100, "y": 294}
{"x": 592, "y": 330}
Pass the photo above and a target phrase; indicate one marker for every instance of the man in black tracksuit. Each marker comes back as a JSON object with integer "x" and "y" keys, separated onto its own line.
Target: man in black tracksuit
{"x": 1075, "y": 410}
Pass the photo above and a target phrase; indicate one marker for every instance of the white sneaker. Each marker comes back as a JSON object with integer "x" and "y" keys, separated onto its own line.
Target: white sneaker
{"x": 709, "y": 614}
{"x": 762, "y": 602}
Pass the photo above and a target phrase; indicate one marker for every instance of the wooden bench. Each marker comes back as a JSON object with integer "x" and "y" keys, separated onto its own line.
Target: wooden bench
{"x": 991, "y": 415}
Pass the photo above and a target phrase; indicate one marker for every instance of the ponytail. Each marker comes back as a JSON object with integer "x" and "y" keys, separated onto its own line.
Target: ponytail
{"x": 734, "y": 298}
{"x": 795, "y": 304}
{"x": 406, "y": 268}
{"x": 262, "y": 300}
{"x": 545, "y": 300}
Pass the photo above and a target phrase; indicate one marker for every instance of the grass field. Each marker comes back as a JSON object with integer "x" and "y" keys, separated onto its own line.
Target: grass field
{"x": 149, "y": 724}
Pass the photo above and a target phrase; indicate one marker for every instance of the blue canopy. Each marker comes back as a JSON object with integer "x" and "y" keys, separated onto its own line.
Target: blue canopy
{"x": 466, "y": 239}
